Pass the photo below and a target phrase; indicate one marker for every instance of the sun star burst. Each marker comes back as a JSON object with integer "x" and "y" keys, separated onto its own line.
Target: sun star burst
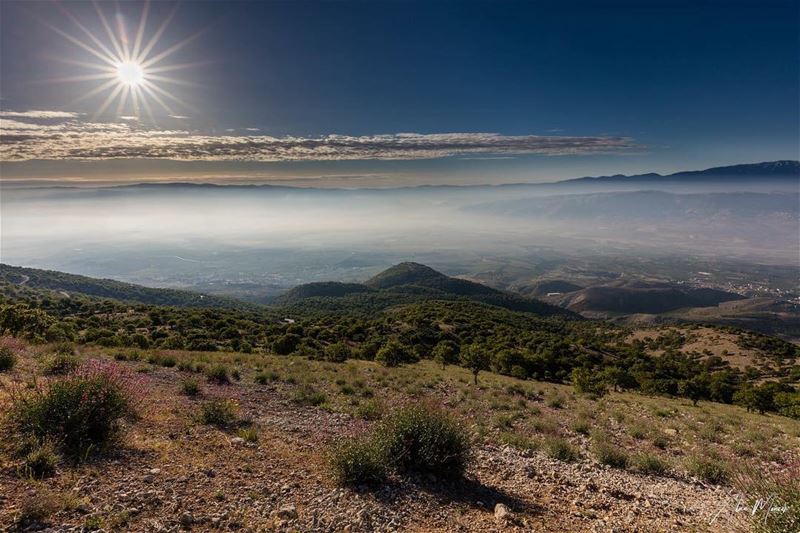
{"x": 129, "y": 71}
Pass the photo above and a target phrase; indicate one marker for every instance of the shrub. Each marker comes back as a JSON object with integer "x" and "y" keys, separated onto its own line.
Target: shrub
{"x": 308, "y": 395}
{"x": 61, "y": 364}
{"x": 218, "y": 374}
{"x": 41, "y": 462}
{"x": 649, "y": 463}
{"x": 168, "y": 361}
{"x": 559, "y": 448}
{"x": 425, "y": 439}
{"x": 370, "y": 410}
{"x": 79, "y": 413}
{"x": 64, "y": 348}
{"x": 708, "y": 469}
{"x": 773, "y": 498}
{"x": 220, "y": 412}
{"x": 581, "y": 426}
{"x": 360, "y": 461}
{"x": 262, "y": 378}
{"x": 608, "y": 454}
{"x": 249, "y": 434}
{"x": 7, "y": 359}
{"x": 38, "y": 508}
{"x": 556, "y": 402}
{"x": 637, "y": 431}
{"x": 190, "y": 387}
{"x": 518, "y": 441}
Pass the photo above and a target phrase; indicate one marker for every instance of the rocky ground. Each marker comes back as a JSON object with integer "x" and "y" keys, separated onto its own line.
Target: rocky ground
{"x": 172, "y": 473}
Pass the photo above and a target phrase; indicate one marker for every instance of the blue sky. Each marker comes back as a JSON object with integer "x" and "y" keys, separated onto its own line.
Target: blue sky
{"x": 570, "y": 89}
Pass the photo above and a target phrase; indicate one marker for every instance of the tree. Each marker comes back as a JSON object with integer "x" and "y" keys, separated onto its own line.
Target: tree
{"x": 475, "y": 358}
{"x": 759, "y": 398}
{"x": 445, "y": 353}
{"x": 618, "y": 378}
{"x": 695, "y": 388}
{"x": 588, "y": 382}
{"x": 391, "y": 354}
{"x": 337, "y": 353}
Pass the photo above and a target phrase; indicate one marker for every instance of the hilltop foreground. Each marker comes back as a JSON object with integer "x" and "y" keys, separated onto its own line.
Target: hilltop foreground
{"x": 173, "y": 471}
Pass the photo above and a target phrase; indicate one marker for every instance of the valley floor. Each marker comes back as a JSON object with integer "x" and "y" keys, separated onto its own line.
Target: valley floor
{"x": 172, "y": 473}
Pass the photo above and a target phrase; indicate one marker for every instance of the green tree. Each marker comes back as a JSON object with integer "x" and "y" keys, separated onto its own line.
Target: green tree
{"x": 695, "y": 388}
{"x": 475, "y": 358}
{"x": 445, "y": 353}
{"x": 391, "y": 354}
{"x": 338, "y": 352}
{"x": 618, "y": 378}
{"x": 587, "y": 381}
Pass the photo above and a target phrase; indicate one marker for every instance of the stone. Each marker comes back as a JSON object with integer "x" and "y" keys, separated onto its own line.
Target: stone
{"x": 502, "y": 513}
{"x": 237, "y": 440}
{"x": 287, "y": 512}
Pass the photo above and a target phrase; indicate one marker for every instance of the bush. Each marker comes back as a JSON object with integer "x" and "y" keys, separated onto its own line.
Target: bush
{"x": 308, "y": 395}
{"x": 415, "y": 439}
{"x": 425, "y": 439}
{"x": 360, "y": 461}
{"x": 709, "y": 469}
{"x": 220, "y": 412}
{"x": 249, "y": 434}
{"x": 649, "y": 463}
{"x": 218, "y": 374}
{"x": 80, "y": 413}
{"x": 773, "y": 498}
{"x": 190, "y": 387}
{"x": 370, "y": 410}
{"x": 556, "y": 402}
{"x": 608, "y": 454}
{"x": 559, "y": 448}
{"x": 64, "y": 348}
{"x": 61, "y": 364}
{"x": 7, "y": 359}
{"x": 581, "y": 426}
{"x": 262, "y": 378}
{"x": 41, "y": 462}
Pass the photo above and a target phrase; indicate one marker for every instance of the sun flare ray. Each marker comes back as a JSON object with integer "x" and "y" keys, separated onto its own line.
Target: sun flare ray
{"x": 130, "y": 62}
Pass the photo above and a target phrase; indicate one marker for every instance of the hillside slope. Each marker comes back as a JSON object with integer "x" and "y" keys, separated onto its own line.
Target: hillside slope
{"x": 642, "y": 297}
{"x": 67, "y": 284}
{"x": 407, "y": 283}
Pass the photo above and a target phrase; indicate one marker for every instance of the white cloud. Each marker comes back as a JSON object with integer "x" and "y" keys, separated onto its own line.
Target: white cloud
{"x": 39, "y": 114}
{"x": 80, "y": 140}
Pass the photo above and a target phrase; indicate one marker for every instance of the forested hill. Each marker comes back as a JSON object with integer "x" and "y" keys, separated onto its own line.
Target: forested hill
{"x": 406, "y": 283}
{"x": 72, "y": 284}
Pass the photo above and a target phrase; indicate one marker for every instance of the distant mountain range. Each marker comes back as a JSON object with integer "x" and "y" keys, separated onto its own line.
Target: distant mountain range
{"x": 780, "y": 171}
{"x": 772, "y": 169}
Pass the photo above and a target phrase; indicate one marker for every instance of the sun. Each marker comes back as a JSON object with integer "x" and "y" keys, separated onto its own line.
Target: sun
{"x": 130, "y": 73}
{"x": 128, "y": 67}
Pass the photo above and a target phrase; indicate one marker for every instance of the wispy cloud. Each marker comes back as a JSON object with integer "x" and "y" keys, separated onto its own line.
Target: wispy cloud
{"x": 75, "y": 139}
{"x": 39, "y": 114}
